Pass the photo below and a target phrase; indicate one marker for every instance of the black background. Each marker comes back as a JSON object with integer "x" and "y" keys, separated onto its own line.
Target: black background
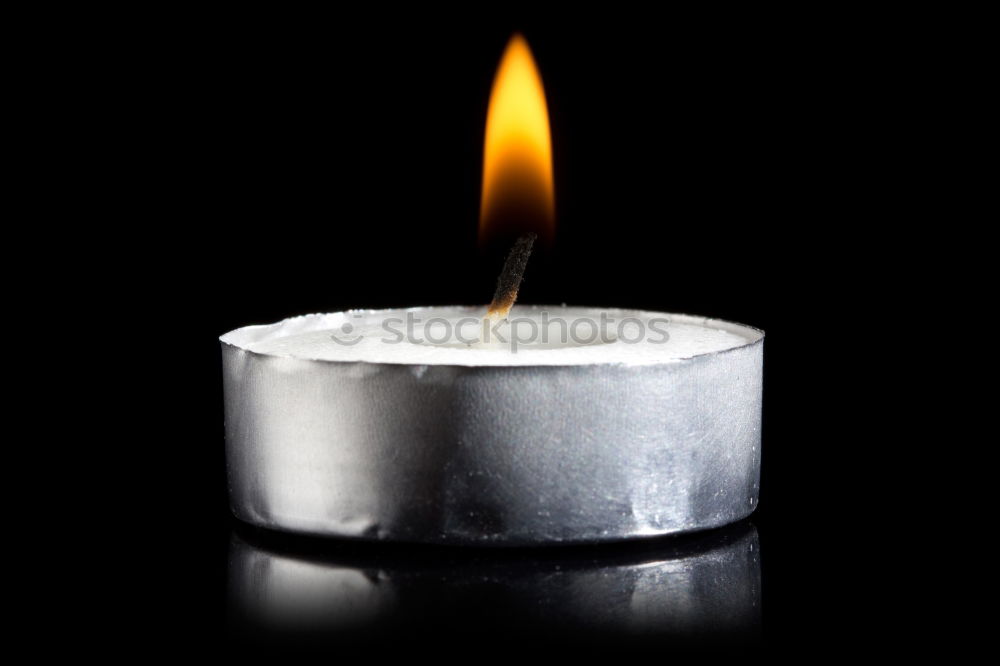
{"x": 708, "y": 165}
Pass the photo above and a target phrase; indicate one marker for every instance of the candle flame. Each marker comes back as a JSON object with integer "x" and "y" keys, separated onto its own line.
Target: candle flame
{"x": 518, "y": 189}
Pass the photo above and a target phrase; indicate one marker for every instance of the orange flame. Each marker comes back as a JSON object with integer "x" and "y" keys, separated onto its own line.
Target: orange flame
{"x": 518, "y": 189}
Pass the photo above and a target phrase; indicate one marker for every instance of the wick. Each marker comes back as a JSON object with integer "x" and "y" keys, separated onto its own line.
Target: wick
{"x": 510, "y": 277}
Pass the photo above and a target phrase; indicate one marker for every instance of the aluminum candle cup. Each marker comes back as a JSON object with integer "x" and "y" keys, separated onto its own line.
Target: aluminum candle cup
{"x": 374, "y": 424}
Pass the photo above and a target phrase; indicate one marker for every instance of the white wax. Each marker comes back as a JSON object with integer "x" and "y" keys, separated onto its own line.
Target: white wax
{"x": 576, "y": 336}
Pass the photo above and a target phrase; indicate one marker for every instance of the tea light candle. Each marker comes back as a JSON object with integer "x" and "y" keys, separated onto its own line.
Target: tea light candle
{"x": 524, "y": 426}
{"x": 361, "y": 432}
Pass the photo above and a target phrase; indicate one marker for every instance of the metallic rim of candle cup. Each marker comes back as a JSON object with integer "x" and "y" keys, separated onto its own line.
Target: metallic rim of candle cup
{"x": 686, "y": 359}
{"x": 251, "y": 480}
{"x": 442, "y": 558}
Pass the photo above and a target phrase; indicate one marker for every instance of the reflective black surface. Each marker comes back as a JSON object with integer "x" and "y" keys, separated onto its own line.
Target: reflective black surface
{"x": 682, "y": 591}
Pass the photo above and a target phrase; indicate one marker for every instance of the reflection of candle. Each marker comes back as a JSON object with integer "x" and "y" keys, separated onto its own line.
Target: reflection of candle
{"x": 534, "y": 425}
{"x": 656, "y": 589}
